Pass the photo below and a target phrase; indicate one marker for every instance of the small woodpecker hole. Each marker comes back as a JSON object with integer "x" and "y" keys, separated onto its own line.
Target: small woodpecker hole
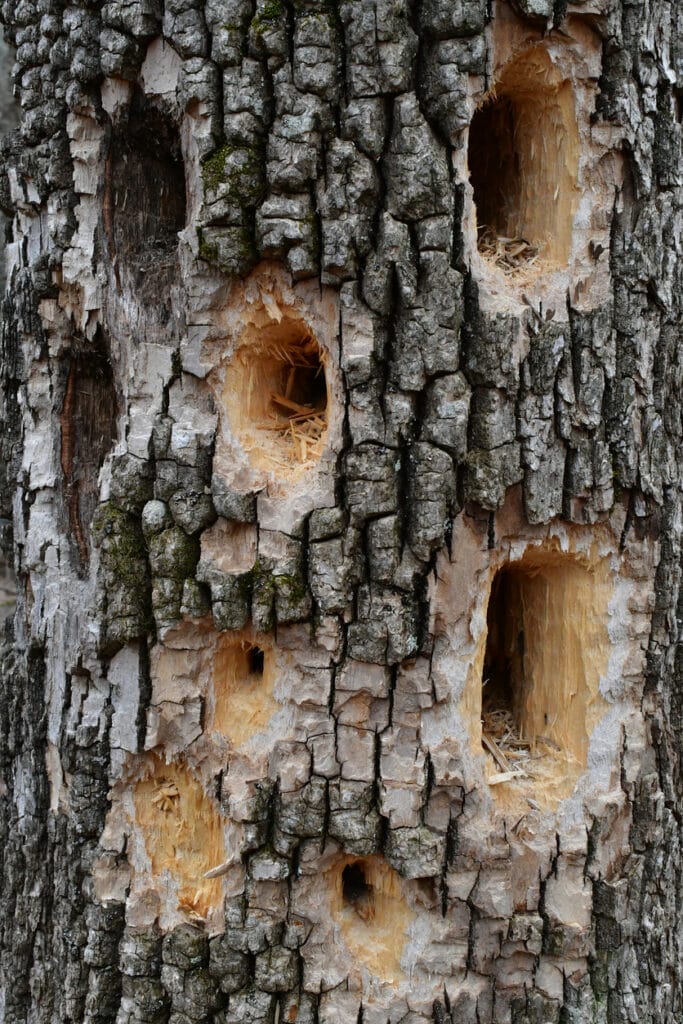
{"x": 277, "y": 397}
{"x": 368, "y": 904}
{"x": 241, "y": 701}
{"x": 255, "y": 661}
{"x": 356, "y": 891}
{"x": 523, "y": 162}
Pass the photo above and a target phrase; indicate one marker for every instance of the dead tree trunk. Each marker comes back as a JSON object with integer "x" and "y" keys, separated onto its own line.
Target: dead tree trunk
{"x": 341, "y": 471}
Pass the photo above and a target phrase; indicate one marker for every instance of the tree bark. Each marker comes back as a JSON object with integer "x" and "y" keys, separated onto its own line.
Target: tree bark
{"x": 342, "y": 477}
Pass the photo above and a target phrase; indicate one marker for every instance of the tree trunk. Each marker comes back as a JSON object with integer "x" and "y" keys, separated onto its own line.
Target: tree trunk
{"x": 342, "y": 477}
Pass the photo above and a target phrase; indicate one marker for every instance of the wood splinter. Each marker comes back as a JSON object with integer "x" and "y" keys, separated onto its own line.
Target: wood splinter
{"x": 221, "y": 869}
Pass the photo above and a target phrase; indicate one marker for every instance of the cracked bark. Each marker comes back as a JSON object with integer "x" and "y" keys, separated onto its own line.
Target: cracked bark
{"x": 310, "y": 160}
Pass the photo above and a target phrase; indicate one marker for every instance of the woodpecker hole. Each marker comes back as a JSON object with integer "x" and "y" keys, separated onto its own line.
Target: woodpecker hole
{"x": 276, "y": 395}
{"x": 523, "y": 163}
{"x": 546, "y": 646}
{"x": 145, "y": 202}
{"x": 368, "y": 902}
{"x": 356, "y": 891}
{"x": 241, "y": 701}
{"x": 503, "y": 676}
{"x": 255, "y": 661}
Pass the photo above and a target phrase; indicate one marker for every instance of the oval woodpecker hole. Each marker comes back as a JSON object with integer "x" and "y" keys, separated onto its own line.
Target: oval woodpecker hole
{"x": 523, "y": 162}
{"x": 276, "y": 395}
{"x": 357, "y": 893}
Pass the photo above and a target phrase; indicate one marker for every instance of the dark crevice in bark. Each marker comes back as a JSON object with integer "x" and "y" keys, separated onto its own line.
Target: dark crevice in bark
{"x": 88, "y": 431}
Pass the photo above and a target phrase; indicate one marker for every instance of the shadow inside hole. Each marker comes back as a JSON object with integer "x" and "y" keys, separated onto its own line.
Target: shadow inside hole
{"x": 277, "y": 398}
{"x": 494, "y": 164}
{"x": 298, "y": 389}
{"x": 255, "y": 661}
{"x": 523, "y": 163}
{"x": 88, "y": 431}
{"x": 546, "y": 648}
{"x": 305, "y": 384}
{"x": 357, "y": 893}
{"x": 504, "y": 659}
{"x": 145, "y": 202}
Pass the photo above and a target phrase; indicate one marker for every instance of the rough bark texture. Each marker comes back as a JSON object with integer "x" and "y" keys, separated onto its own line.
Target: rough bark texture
{"x": 238, "y": 657}
{"x": 8, "y": 120}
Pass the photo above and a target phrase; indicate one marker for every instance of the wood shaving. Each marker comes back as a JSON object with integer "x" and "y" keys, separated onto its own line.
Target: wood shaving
{"x": 166, "y": 796}
{"x": 511, "y": 753}
{"x": 495, "y": 780}
{"x": 305, "y": 426}
{"x": 283, "y": 402}
{"x": 301, "y": 428}
{"x": 509, "y": 254}
{"x": 221, "y": 869}
{"x": 192, "y": 906}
